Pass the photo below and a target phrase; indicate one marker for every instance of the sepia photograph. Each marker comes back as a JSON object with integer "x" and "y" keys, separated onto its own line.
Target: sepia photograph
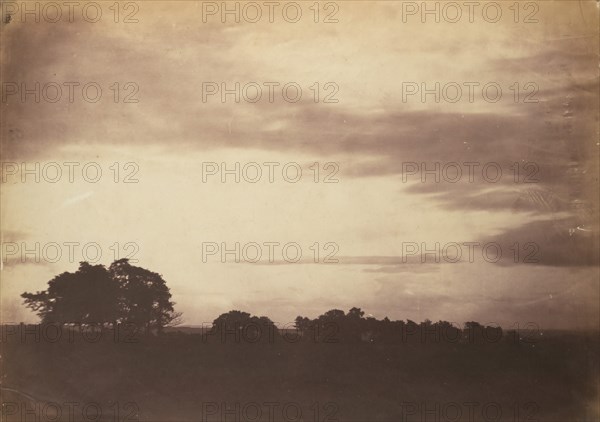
{"x": 300, "y": 211}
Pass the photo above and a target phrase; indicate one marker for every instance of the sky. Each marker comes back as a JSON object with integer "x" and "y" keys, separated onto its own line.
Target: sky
{"x": 370, "y": 133}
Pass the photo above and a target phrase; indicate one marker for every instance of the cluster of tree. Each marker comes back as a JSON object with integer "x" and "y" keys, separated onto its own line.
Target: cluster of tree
{"x": 336, "y": 325}
{"x": 94, "y": 294}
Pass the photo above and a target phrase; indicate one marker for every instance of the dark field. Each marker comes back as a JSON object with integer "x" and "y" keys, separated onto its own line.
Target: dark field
{"x": 180, "y": 376}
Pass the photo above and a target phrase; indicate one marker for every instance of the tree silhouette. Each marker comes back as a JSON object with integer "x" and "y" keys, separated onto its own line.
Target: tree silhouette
{"x": 87, "y": 296}
{"x": 145, "y": 299}
{"x": 93, "y": 294}
{"x": 354, "y": 327}
{"x": 356, "y": 313}
{"x": 235, "y": 326}
{"x": 302, "y": 324}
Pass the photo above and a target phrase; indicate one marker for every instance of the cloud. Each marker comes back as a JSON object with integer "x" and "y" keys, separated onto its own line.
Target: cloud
{"x": 557, "y": 242}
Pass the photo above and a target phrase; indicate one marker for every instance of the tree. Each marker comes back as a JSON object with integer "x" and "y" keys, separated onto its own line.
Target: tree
{"x": 145, "y": 299}
{"x": 356, "y": 313}
{"x": 302, "y": 324}
{"x": 238, "y": 326}
{"x": 333, "y": 315}
{"x": 87, "y": 296}
{"x": 232, "y": 320}
{"x": 95, "y": 295}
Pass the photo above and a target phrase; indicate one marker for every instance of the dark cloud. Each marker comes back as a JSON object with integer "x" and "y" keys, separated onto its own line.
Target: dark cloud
{"x": 534, "y": 198}
{"x": 560, "y": 242}
{"x": 13, "y": 250}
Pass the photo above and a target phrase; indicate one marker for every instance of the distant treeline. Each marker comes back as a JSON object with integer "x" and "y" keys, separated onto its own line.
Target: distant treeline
{"x": 133, "y": 301}
{"x": 336, "y": 326}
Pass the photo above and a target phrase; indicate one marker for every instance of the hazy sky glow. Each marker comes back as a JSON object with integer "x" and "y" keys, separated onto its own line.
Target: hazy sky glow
{"x": 373, "y": 210}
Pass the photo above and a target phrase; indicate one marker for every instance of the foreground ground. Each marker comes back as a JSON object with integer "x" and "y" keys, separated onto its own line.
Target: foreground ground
{"x": 180, "y": 377}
